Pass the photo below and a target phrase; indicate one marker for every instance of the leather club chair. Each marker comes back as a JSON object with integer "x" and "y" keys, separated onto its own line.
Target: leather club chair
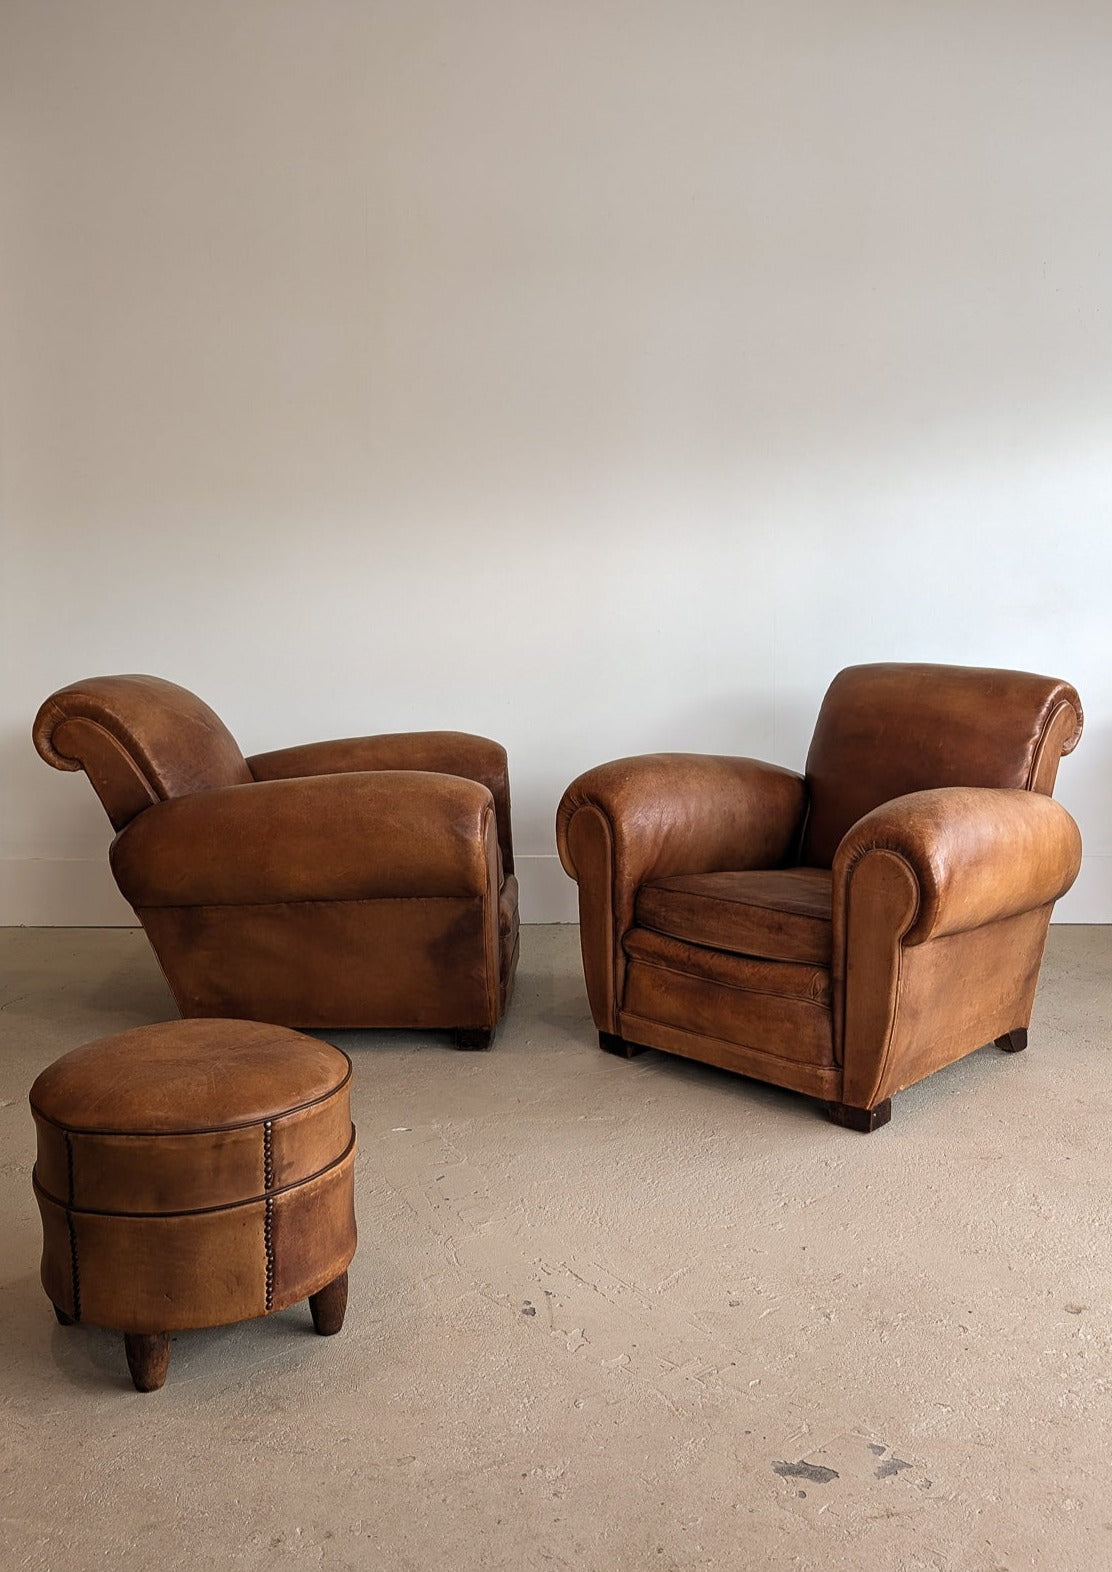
{"x": 847, "y": 931}
{"x": 366, "y": 882}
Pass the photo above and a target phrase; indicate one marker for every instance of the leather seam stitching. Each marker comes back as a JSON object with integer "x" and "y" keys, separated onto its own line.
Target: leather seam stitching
{"x": 201, "y": 1211}
{"x": 75, "y": 1273}
{"x": 882, "y": 1067}
{"x": 719, "y": 949}
{"x": 268, "y": 1218}
{"x": 760, "y": 993}
{"x": 306, "y": 900}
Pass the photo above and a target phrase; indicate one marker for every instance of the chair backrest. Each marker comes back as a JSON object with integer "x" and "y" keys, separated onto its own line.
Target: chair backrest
{"x": 139, "y": 740}
{"x": 887, "y": 730}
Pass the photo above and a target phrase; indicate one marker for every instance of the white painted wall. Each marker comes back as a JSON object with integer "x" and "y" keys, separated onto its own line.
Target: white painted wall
{"x": 600, "y": 376}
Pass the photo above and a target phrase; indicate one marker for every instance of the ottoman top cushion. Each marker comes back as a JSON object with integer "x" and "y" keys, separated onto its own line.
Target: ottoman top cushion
{"x": 182, "y": 1076}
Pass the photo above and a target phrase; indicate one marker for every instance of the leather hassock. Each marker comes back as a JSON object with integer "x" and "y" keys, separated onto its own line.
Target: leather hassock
{"x": 193, "y": 1174}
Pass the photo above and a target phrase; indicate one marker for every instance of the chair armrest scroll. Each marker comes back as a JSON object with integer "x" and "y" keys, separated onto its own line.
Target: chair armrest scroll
{"x": 635, "y": 819}
{"x": 671, "y": 813}
{"x": 975, "y": 854}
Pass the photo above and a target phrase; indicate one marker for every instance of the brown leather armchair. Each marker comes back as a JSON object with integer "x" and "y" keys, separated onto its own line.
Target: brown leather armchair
{"x": 845, "y": 932}
{"x": 363, "y": 882}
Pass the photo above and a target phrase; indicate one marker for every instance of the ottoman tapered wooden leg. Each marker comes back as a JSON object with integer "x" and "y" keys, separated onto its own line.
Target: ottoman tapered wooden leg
{"x": 148, "y": 1358}
{"x": 329, "y": 1306}
{"x": 216, "y": 1187}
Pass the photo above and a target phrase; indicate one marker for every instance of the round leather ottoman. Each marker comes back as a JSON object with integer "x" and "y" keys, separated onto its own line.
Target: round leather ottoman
{"x": 193, "y": 1174}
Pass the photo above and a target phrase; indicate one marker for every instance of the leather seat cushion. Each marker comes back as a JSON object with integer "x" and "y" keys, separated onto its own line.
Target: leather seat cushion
{"x": 776, "y": 1009}
{"x": 777, "y": 914}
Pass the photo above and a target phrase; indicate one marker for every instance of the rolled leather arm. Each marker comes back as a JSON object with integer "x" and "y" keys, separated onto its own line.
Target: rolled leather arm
{"x": 380, "y": 835}
{"x": 667, "y": 813}
{"x": 973, "y": 854}
{"x": 442, "y": 752}
{"x": 664, "y": 813}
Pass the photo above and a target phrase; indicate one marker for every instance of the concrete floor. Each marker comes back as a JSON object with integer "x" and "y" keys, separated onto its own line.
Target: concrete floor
{"x": 605, "y": 1315}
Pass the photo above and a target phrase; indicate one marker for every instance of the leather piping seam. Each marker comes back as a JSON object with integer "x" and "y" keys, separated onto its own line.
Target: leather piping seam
{"x": 719, "y": 949}
{"x": 617, "y": 956}
{"x": 303, "y": 900}
{"x": 1040, "y": 745}
{"x": 201, "y": 1129}
{"x": 65, "y": 761}
{"x": 75, "y": 1273}
{"x": 760, "y": 993}
{"x": 753, "y": 901}
{"x": 890, "y": 851}
{"x": 202, "y": 1211}
{"x": 137, "y": 758}
{"x": 759, "y": 906}
{"x": 492, "y": 913}
{"x": 882, "y": 1068}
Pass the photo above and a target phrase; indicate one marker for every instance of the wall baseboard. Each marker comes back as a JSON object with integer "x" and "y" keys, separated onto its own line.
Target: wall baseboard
{"x": 61, "y": 892}
{"x": 547, "y": 894}
{"x": 44, "y": 892}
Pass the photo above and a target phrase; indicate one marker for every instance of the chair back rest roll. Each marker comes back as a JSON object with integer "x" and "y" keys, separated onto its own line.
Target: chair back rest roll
{"x": 140, "y": 740}
{"x": 886, "y": 730}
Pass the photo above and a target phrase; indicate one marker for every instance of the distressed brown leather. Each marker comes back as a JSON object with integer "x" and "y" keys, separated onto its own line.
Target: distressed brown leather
{"x": 623, "y": 824}
{"x": 357, "y": 883}
{"x": 432, "y": 835}
{"x": 139, "y": 740}
{"x": 193, "y": 1173}
{"x": 782, "y": 914}
{"x": 887, "y": 730}
{"x": 847, "y": 932}
{"x": 977, "y": 855}
{"x": 437, "y": 752}
{"x": 695, "y": 989}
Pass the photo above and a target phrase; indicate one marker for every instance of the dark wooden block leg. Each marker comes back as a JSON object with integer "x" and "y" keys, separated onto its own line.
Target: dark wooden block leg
{"x": 64, "y": 1319}
{"x": 864, "y": 1120}
{"x": 148, "y": 1358}
{"x": 1013, "y": 1042}
{"x": 473, "y": 1041}
{"x": 610, "y": 1042}
{"x": 329, "y": 1306}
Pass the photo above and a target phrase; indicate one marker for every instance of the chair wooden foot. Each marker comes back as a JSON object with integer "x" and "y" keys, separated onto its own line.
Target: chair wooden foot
{"x": 148, "y": 1358}
{"x": 1013, "y": 1042}
{"x": 64, "y": 1318}
{"x": 329, "y": 1306}
{"x": 473, "y": 1041}
{"x": 864, "y": 1120}
{"x": 610, "y": 1042}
